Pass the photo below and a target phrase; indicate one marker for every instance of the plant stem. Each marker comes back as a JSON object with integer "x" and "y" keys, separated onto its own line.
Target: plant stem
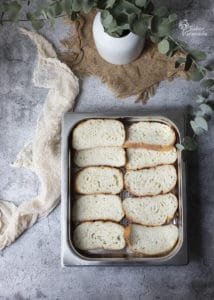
{"x": 183, "y": 50}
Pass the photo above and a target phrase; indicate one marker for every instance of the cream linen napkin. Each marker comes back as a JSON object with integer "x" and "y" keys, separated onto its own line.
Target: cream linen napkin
{"x": 42, "y": 153}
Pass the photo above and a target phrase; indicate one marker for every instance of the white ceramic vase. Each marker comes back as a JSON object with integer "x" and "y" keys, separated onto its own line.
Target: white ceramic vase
{"x": 118, "y": 51}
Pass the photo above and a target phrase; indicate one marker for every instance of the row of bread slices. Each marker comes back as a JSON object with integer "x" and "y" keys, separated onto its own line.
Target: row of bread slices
{"x": 148, "y": 211}
{"x": 100, "y": 142}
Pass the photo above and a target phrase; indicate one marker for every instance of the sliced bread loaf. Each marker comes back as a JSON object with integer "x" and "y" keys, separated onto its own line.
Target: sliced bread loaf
{"x": 151, "y": 182}
{"x": 100, "y": 156}
{"x": 99, "y": 180}
{"x": 151, "y": 135}
{"x": 151, "y": 211}
{"x": 144, "y": 158}
{"x": 99, "y": 235}
{"x": 98, "y": 133}
{"x": 152, "y": 241}
{"x": 97, "y": 207}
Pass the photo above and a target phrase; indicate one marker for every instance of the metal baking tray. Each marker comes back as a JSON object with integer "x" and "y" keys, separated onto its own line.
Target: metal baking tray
{"x": 70, "y": 256}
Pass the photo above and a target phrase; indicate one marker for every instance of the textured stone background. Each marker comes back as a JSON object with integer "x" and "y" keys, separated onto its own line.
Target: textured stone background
{"x": 30, "y": 268}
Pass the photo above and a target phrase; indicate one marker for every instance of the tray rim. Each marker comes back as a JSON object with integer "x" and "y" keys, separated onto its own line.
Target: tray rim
{"x": 69, "y": 255}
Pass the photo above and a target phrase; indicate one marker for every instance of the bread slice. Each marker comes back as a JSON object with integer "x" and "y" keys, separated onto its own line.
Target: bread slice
{"x": 99, "y": 180}
{"x": 144, "y": 158}
{"x": 152, "y": 241}
{"x": 99, "y": 235}
{"x": 98, "y": 133}
{"x": 100, "y": 156}
{"x": 151, "y": 182}
{"x": 151, "y": 211}
{"x": 97, "y": 207}
{"x": 150, "y": 135}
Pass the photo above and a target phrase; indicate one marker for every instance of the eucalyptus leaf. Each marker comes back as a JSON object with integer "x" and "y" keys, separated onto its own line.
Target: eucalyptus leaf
{"x": 141, "y": 3}
{"x": 201, "y": 122}
{"x": 13, "y": 10}
{"x": 198, "y": 55}
{"x": 87, "y": 5}
{"x": 76, "y": 5}
{"x": 161, "y": 12}
{"x": 206, "y": 109}
{"x": 189, "y": 143}
{"x": 173, "y": 17}
{"x": 139, "y": 27}
{"x": 163, "y": 46}
{"x": 197, "y": 129}
{"x": 37, "y": 24}
{"x": 154, "y": 38}
{"x": 208, "y": 83}
{"x": 179, "y": 147}
{"x": 164, "y": 28}
{"x": 196, "y": 74}
{"x": 199, "y": 113}
{"x": 200, "y": 99}
{"x": 110, "y": 3}
{"x": 210, "y": 67}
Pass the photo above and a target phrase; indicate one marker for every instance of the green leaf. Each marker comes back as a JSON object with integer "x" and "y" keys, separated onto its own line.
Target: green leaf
{"x": 58, "y": 8}
{"x": 106, "y": 19}
{"x": 200, "y": 99}
{"x": 208, "y": 83}
{"x": 164, "y": 29}
{"x": 141, "y": 3}
{"x": 206, "y": 109}
{"x": 30, "y": 16}
{"x": 67, "y": 7}
{"x": 196, "y": 74}
{"x": 139, "y": 27}
{"x": 110, "y": 3}
{"x": 205, "y": 94}
{"x": 87, "y": 5}
{"x": 199, "y": 113}
{"x": 161, "y": 12}
{"x": 77, "y": 5}
{"x": 198, "y": 55}
{"x": 201, "y": 122}
{"x": 210, "y": 67}
{"x": 189, "y": 143}
{"x": 37, "y": 24}
{"x": 188, "y": 62}
{"x": 163, "y": 46}
{"x": 197, "y": 130}
{"x": 13, "y": 10}
{"x": 179, "y": 147}
{"x": 155, "y": 39}
{"x": 173, "y": 17}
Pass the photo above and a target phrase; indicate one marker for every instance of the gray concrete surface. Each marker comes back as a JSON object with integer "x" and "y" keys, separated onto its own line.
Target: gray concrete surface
{"x": 30, "y": 268}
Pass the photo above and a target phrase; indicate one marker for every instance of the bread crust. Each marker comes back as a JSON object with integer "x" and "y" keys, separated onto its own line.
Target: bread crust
{"x": 133, "y": 145}
{"x": 103, "y": 167}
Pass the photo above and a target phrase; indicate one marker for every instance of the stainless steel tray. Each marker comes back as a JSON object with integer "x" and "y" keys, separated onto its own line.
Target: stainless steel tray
{"x": 70, "y": 256}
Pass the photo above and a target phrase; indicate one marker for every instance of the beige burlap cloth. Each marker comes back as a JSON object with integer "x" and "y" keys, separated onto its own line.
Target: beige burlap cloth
{"x": 139, "y": 78}
{"x": 42, "y": 153}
